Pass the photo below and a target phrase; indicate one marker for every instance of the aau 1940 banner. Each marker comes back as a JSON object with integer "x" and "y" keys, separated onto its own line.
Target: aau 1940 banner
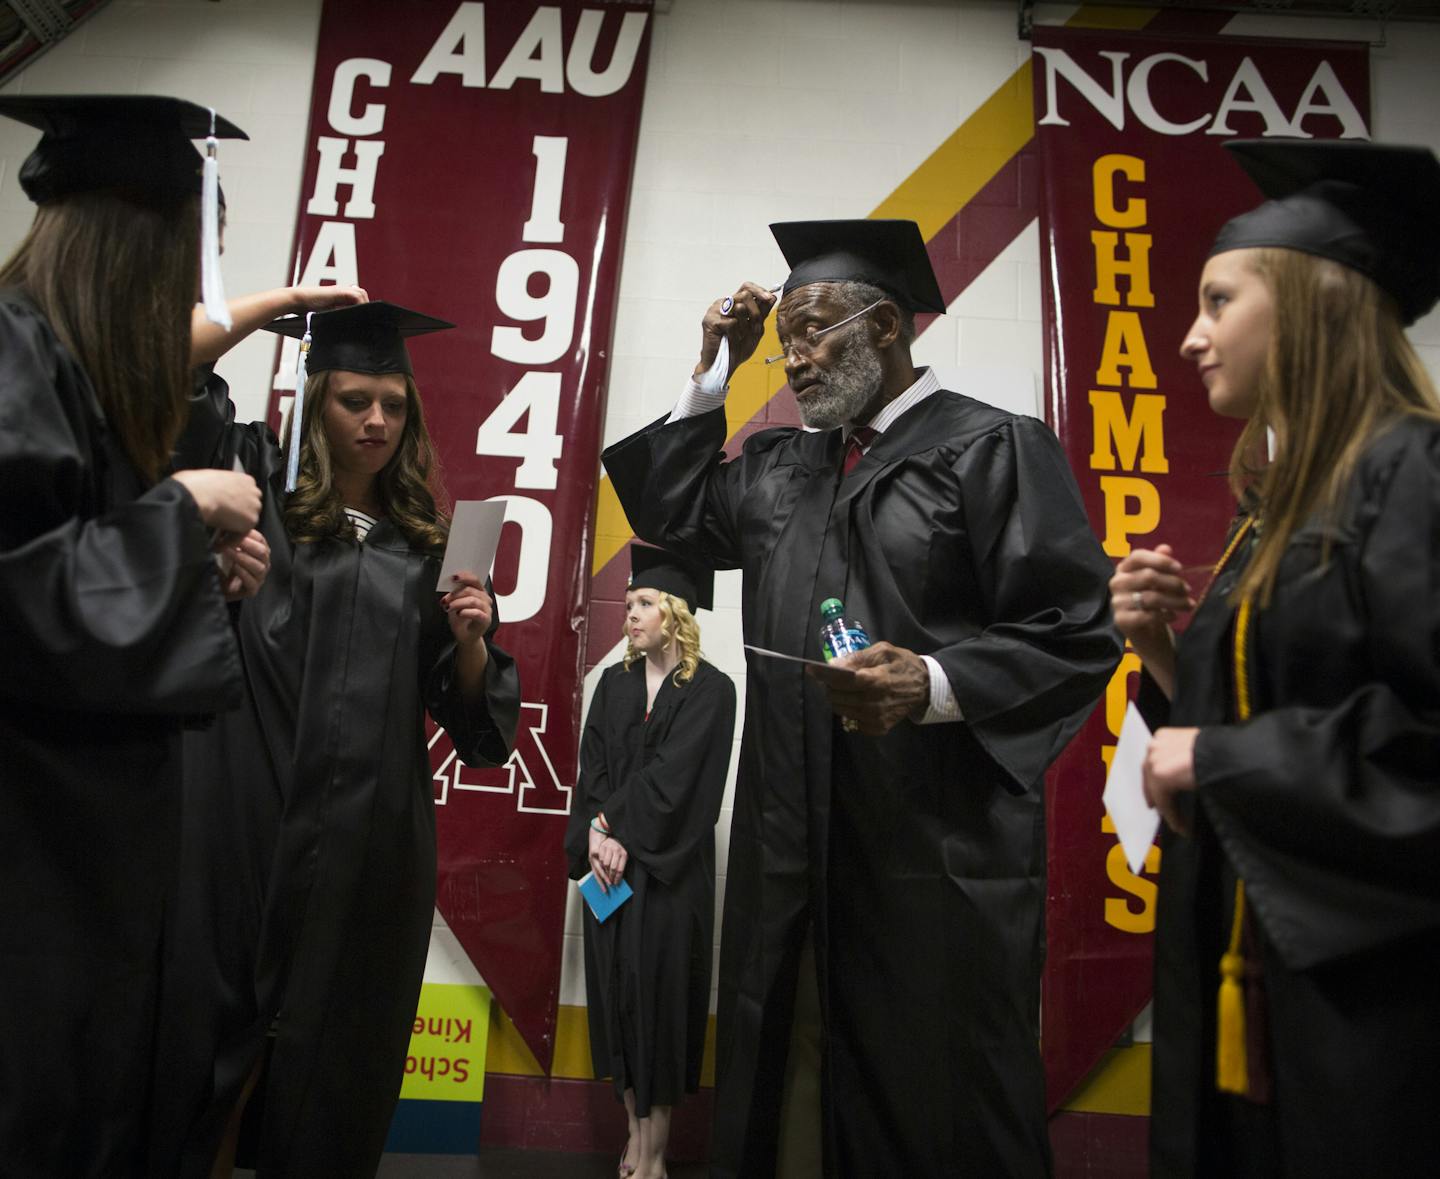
{"x": 1136, "y": 183}
{"x": 472, "y": 161}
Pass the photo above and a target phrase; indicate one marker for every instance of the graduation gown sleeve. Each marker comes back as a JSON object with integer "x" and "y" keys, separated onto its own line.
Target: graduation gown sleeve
{"x": 212, "y": 413}
{"x": 678, "y": 490}
{"x": 1330, "y": 809}
{"x": 120, "y": 612}
{"x": 1026, "y": 680}
{"x": 483, "y": 729}
{"x": 213, "y": 438}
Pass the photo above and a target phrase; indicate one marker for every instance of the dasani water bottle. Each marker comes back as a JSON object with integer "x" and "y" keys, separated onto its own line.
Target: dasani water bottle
{"x": 839, "y": 635}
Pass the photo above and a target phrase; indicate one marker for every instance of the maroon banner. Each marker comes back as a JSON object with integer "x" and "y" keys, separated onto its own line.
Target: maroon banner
{"x": 1136, "y": 184}
{"x": 473, "y": 161}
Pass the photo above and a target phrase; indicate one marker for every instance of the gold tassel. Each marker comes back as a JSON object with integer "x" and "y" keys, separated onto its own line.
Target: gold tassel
{"x": 1232, "y": 1072}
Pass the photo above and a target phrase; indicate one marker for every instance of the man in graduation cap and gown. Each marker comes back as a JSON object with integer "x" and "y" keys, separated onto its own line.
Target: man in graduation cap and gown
{"x": 1311, "y": 729}
{"x": 895, "y": 829}
{"x": 113, "y": 626}
{"x": 308, "y": 861}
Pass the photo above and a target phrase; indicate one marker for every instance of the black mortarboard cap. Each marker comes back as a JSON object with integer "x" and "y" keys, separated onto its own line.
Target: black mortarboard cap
{"x": 658, "y": 569}
{"x": 1369, "y": 206}
{"x": 365, "y": 338}
{"x": 887, "y": 254}
{"x": 94, "y": 141}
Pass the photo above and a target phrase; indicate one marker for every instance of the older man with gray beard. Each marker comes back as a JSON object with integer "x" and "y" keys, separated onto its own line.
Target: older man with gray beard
{"x": 883, "y": 926}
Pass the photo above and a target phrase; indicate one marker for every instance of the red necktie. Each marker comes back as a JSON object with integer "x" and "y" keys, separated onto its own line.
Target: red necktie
{"x": 860, "y": 438}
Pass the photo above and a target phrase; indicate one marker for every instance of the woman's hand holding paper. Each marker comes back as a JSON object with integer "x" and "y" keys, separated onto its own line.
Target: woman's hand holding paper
{"x": 1169, "y": 773}
{"x": 470, "y": 610}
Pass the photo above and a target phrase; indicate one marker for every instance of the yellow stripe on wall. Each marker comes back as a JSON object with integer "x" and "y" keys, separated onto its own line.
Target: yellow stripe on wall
{"x": 1119, "y": 1084}
{"x": 1111, "y": 16}
{"x": 967, "y": 161}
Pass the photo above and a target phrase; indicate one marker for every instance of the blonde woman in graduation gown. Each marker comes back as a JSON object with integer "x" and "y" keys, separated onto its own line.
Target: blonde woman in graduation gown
{"x": 653, "y": 759}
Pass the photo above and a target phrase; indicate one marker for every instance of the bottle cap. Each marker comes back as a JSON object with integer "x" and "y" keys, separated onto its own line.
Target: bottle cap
{"x": 832, "y": 608}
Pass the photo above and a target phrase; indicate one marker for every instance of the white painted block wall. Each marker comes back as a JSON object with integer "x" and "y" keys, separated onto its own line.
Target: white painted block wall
{"x": 755, "y": 111}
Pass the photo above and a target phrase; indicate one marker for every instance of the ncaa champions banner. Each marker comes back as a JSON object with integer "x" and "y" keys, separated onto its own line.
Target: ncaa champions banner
{"x": 472, "y": 161}
{"x": 1136, "y": 184}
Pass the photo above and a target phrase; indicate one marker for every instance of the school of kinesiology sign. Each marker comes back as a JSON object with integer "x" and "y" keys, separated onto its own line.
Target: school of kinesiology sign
{"x": 473, "y": 161}
{"x": 1136, "y": 183}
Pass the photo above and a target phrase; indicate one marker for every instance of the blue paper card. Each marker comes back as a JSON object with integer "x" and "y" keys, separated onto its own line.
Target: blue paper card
{"x": 602, "y": 904}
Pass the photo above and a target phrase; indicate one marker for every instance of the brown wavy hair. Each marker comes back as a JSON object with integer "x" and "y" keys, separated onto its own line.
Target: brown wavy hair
{"x": 409, "y": 486}
{"x": 1339, "y": 371}
{"x": 678, "y": 626}
{"x": 116, "y": 274}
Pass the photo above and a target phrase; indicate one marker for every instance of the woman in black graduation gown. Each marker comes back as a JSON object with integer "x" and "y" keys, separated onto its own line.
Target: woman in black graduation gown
{"x": 112, "y": 621}
{"x": 309, "y": 841}
{"x": 653, "y": 761}
{"x": 1297, "y": 1008}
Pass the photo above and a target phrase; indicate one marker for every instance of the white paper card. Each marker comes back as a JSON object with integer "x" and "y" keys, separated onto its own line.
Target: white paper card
{"x": 1136, "y": 821}
{"x": 825, "y": 671}
{"x": 474, "y": 537}
{"x": 713, "y": 380}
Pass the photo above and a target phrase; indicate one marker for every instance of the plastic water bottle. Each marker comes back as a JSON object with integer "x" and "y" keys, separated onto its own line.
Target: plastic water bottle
{"x": 839, "y": 635}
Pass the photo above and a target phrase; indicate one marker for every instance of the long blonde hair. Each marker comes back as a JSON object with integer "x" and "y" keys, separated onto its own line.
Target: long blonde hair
{"x": 409, "y": 487}
{"x": 115, "y": 274}
{"x": 678, "y": 626}
{"x": 1339, "y": 369}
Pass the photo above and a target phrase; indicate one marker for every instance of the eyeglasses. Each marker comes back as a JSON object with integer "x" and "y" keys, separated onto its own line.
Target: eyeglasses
{"x": 806, "y": 344}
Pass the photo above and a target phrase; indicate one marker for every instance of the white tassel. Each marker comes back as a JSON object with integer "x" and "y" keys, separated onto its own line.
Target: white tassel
{"x": 212, "y": 284}
{"x": 297, "y": 414}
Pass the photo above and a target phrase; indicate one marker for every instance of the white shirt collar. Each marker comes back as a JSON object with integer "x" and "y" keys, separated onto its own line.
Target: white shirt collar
{"x": 925, "y": 384}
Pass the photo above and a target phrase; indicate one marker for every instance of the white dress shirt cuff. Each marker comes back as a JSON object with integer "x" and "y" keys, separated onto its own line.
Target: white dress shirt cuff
{"x": 694, "y": 401}
{"x": 943, "y": 705}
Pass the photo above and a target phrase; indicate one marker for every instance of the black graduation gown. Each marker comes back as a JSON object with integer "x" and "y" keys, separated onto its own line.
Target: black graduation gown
{"x": 1327, "y": 803}
{"x": 112, "y": 628}
{"x": 918, "y": 856}
{"x": 660, "y": 781}
{"x": 308, "y": 866}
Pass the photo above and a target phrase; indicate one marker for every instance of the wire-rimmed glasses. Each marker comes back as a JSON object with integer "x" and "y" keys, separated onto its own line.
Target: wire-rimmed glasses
{"x": 806, "y": 344}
